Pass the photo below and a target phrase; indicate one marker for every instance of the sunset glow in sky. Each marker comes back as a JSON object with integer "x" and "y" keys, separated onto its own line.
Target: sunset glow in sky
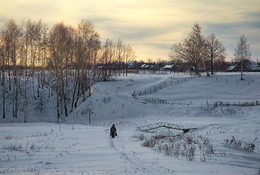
{"x": 149, "y": 26}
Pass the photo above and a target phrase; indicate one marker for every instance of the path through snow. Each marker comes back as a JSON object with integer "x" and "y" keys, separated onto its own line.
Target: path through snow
{"x": 137, "y": 164}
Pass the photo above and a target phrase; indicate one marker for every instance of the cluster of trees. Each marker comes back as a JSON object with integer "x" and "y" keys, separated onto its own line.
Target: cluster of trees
{"x": 123, "y": 52}
{"x": 198, "y": 50}
{"x": 204, "y": 52}
{"x": 40, "y": 63}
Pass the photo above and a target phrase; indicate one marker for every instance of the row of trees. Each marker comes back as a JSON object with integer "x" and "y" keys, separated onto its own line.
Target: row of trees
{"x": 199, "y": 51}
{"x": 124, "y": 53}
{"x": 38, "y": 64}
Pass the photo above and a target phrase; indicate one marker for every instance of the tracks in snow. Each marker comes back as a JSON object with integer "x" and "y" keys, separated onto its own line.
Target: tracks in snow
{"x": 138, "y": 166}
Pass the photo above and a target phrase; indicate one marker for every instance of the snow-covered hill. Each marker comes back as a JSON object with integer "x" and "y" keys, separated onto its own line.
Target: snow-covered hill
{"x": 220, "y": 107}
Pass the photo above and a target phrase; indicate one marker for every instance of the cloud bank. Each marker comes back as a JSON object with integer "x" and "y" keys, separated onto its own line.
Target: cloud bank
{"x": 150, "y": 26}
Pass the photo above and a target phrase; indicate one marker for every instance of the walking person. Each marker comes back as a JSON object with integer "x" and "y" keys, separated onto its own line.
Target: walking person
{"x": 113, "y": 131}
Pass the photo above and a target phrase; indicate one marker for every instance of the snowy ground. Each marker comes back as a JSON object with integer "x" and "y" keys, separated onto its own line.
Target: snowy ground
{"x": 83, "y": 148}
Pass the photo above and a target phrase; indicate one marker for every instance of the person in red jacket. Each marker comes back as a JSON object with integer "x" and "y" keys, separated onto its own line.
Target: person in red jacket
{"x": 113, "y": 132}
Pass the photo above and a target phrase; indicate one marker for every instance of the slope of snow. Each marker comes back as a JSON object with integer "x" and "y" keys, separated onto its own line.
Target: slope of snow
{"x": 226, "y": 88}
{"x": 86, "y": 148}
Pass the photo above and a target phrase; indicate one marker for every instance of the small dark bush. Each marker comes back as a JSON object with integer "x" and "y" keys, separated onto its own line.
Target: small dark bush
{"x": 189, "y": 140}
{"x": 210, "y": 149}
{"x": 159, "y": 137}
{"x": 249, "y": 147}
{"x": 191, "y": 153}
{"x": 149, "y": 143}
{"x": 233, "y": 142}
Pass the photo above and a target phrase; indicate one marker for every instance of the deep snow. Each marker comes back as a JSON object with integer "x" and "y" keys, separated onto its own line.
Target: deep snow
{"x": 83, "y": 148}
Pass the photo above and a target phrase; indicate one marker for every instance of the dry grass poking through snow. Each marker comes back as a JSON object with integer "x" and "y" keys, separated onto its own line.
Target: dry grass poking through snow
{"x": 183, "y": 146}
{"x": 236, "y": 143}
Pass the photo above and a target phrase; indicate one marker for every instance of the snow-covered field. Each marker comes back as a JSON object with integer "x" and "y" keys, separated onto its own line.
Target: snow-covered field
{"x": 80, "y": 147}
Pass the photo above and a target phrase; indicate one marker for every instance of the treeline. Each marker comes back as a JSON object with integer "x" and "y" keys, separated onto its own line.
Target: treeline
{"x": 38, "y": 64}
{"x": 201, "y": 51}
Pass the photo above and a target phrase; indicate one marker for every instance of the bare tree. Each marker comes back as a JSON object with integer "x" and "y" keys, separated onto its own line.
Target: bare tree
{"x": 129, "y": 55}
{"x": 87, "y": 44}
{"x": 216, "y": 51}
{"x": 33, "y": 49}
{"x": 60, "y": 40}
{"x": 119, "y": 55}
{"x": 192, "y": 50}
{"x": 106, "y": 59}
{"x": 11, "y": 36}
{"x": 242, "y": 52}
{"x": 2, "y": 77}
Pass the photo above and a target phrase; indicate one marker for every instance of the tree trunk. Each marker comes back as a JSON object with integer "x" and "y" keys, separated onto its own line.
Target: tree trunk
{"x": 242, "y": 70}
{"x": 211, "y": 65}
{"x": 58, "y": 109}
{"x": 74, "y": 91}
{"x": 65, "y": 102}
{"x": 3, "y": 79}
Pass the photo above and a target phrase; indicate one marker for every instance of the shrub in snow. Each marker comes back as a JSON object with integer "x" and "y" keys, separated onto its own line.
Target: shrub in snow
{"x": 209, "y": 149}
{"x": 141, "y": 137}
{"x": 33, "y": 170}
{"x": 235, "y": 143}
{"x": 149, "y": 142}
{"x": 12, "y": 147}
{"x": 8, "y": 137}
{"x": 191, "y": 152}
{"x": 106, "y": 100}
{"x": 179, "y": 146}
{"x": 249, "y": 147}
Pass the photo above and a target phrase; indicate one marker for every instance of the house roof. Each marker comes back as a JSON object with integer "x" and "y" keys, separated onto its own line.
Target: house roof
{"x": 231, "y": 68}
{"x": 168, "y": 66}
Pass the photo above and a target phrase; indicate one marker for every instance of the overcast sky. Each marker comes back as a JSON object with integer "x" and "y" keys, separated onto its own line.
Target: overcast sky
{"x": 149, "y": 26}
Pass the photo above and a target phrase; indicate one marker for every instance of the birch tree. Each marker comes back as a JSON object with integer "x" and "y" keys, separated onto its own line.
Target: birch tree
{"x": 60, "y": 40}
{"x": 87, "y": 45}
{"x": 2, "y": 77}
{"x": 129, "y": 55}
{"x": 119, "y": 55}
{"x": 242, "y": 53}
{"x": 11, "y": 36}
{"x": 106, "y": 59}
